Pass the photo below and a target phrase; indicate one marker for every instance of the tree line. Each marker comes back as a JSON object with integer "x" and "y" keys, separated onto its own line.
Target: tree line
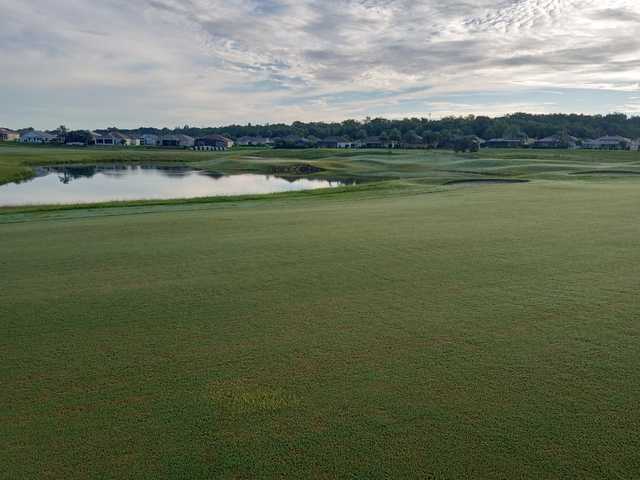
{"x": 423, "y": 130}
{"x": 411, "y": 130}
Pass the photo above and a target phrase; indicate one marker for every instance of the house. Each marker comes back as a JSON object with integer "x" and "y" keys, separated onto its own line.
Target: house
{"x": 213, "y": 142}
{"x": 149, "y": 140}
{"x": 126, "y": 140}
{"x": 179, "y": 141}
{"x": 106, "y": 139}
{"x": 614, "y": 142}
{"x": 114, "y": 139}
{"x": 7, "y": 135}
{"x": 293, "y": 141}
{"x": 377, "y": 142}
{"x": 635, "y": 145}
{"x": 335, "y": 142}
{"x": 556, "y": 141}
{"x": 504, "y": 143}
{"x": 254, "y": 141}
{"x": 36, "y": 136}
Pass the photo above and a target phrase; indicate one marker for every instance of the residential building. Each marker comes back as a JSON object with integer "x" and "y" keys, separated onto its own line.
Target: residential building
{"x": 614, "y": 142}
{"x": 126, "y": 139}
{"x": 115, "y": 139}
{"x": 635, "y": 145}
{"x": 556, "y": 142}
{"x": 504, "y": 143}
{"x": 177, "y": 141}
{"x": 213, "y": 142}
{"x": 335, "y": 142}
{"x": 377, "y": 142}
{"x": 106, "y": 139}
{"x": 149, "y": 140}
{"x": 36, "y": 136}
{"x": 254, "y": 141}
{"x": 7, "y": 135}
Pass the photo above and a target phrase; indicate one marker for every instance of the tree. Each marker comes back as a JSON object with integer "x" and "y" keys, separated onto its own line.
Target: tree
{"x": 436, "y": 133}
{"x": 61, "y": 134}
{"x": 565, "y": 139}
{"x": 395, "y": 134}
{"x": 430, "y": 138}
{"x": 513, "y": 132}
{"x": 361, "y": 134}
{"x": 412, "y": 138}
{"x": 79, "y": 136}
{"x": 466, "y": 144}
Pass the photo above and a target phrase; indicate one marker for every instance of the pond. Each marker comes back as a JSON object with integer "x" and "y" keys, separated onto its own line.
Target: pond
{"x": 102, "y": 183}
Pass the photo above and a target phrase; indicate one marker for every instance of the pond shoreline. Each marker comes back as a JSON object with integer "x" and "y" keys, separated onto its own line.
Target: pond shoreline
{"x": 291, "y": 195}
{"x": 108, "y": 183}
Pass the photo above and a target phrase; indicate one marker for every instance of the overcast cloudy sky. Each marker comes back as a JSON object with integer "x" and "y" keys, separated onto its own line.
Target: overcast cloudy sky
{"x": 210, "y": 62}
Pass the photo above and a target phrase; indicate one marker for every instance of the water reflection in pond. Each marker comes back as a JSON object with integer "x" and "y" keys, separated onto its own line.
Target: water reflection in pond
{"x": 101, "y": 183}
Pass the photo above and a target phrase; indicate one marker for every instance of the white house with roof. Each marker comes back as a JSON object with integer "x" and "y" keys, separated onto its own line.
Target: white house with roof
{"x": 213, "y": 142}
{"x": 611, "y": 142}
{"x": 8, "y": 135}
{"x": 126, "y": 139}
{"x": 36, "y": 136}
{"x": 115, "y": 139}
{"x": 335, "y": 142}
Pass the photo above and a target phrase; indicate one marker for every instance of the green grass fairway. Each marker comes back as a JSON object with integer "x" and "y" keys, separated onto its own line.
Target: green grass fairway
{"x": 435, "y": 167}
{"x": 406, "y": 332}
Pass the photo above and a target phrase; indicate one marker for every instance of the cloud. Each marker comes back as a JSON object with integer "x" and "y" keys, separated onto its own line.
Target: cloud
{"x": 622, "y": 14}
{"x": 217, "y": 61}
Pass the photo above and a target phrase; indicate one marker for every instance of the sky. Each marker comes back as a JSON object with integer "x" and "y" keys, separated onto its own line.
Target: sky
{"x": 131, "y": 63}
